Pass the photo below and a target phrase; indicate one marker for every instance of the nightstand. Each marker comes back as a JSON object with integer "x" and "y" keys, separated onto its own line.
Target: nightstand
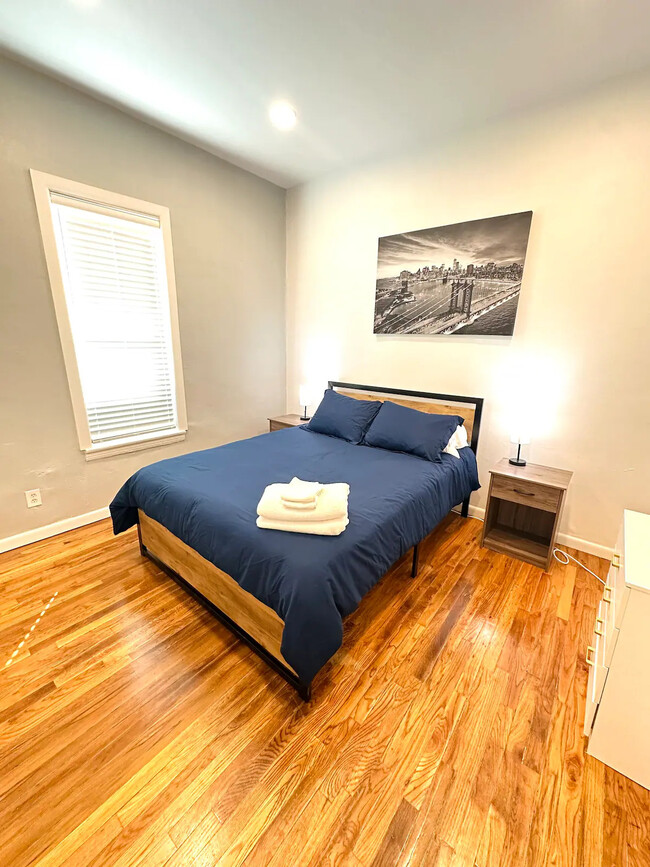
{"x": 278, "y": 422}
{"x": 523, "y": 511}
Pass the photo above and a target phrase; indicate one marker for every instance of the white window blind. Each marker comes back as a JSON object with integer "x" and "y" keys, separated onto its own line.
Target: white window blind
{"x": 113, "y": 270}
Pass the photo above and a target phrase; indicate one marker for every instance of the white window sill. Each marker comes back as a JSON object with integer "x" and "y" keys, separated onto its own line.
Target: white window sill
{"x": 134, "y": 444}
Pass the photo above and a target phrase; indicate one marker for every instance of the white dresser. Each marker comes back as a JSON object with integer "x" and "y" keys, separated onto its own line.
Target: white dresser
{"x": 617, "y": 716}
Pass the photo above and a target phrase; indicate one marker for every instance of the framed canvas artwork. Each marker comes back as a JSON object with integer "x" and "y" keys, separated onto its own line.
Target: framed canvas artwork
{"x": 458, "y": 279}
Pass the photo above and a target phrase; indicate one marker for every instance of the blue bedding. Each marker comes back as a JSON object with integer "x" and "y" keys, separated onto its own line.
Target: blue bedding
{"x": 208, "y": 500}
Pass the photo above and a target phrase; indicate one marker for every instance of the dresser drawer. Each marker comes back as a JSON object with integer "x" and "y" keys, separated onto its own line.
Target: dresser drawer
{"x": 598, "y": 671}
{"x": 599, "y": 658}
{"x": 615, "y": 595}
{"x": 526, "y": 493}
{"x": 606, "y": 631}
{"x": 616, "y": 580}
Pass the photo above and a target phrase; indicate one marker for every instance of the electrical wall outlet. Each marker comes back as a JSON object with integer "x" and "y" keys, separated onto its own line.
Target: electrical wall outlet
{"x": 33, "y": 498}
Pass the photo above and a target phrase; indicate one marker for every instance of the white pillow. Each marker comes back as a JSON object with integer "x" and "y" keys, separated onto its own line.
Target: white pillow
{"x": 458, "y": 440}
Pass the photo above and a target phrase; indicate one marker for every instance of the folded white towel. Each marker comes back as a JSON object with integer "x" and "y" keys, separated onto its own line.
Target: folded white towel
{"x": 298, "y": 491}
{"x": 331, "y": 505}
{"x": 313, "y": 528}
{"x": 299, "y": 507}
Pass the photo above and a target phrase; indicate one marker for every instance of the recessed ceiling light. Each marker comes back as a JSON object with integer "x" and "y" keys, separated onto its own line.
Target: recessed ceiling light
{"x": 282, "y": 114}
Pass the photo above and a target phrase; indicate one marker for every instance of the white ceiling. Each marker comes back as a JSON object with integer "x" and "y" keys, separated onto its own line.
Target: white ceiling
{"x": 367, "y": 77}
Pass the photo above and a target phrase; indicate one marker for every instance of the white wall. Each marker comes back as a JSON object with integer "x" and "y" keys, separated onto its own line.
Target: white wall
{"x": 581, "y": 346}
{"x": 228, "y": 230}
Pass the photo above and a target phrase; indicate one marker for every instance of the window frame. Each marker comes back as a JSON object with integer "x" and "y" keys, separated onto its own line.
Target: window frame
{"x": 43, "y": 185}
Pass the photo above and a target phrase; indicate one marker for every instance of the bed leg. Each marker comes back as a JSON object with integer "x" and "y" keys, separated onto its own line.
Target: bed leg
{"x": 465, "y": 508}
{"x": 143, "y": 550}
{"x": 414, "y": 565}
{"x": 304, "y": 691}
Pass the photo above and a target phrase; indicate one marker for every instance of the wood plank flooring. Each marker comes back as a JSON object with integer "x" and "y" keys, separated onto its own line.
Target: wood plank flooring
{"x": 136, "y": 730}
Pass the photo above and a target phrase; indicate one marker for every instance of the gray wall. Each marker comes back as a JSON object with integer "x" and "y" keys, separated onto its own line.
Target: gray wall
{"x": 228, "y": 230}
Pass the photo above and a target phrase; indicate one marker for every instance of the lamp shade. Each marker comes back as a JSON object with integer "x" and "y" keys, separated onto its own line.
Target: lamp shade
{"x": 305, "y": 395}
{"x": 520, "y": 437}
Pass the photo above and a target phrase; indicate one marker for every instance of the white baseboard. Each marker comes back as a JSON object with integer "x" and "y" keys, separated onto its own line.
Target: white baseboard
{"x": 585, "y": 545}
{"x": 48, "y": 530}
{"x": 563, "y": 538}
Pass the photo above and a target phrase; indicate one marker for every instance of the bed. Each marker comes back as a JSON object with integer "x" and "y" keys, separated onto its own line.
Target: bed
{"x": 287, "y": 594}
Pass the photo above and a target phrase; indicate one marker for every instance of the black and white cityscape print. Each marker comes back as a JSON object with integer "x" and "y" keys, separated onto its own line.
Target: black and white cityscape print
{"x": 458, "y": 279}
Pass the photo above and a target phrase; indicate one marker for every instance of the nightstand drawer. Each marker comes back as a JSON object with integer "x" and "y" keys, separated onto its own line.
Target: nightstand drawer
{"x": 277, "y": 425}
{"x": 526, "y": 493}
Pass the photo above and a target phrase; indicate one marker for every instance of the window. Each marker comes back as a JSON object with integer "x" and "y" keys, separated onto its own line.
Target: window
{"x": 110, "y": 263}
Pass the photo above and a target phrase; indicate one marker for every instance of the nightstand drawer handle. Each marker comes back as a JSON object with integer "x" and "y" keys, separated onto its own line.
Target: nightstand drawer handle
{"x": 599, "y": 620}
{"x": 616, "y": 561}
{"x": 590, "y": 661}
{"x": 607, "y": 594}
{"x": 524, "y": 493}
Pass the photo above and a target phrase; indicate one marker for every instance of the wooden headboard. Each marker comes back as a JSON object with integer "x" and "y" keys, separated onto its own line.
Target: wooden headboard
{"x": 470, "y": 408}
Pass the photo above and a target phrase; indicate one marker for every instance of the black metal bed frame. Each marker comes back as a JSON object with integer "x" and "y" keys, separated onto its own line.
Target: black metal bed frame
{"x": 304, "y": 689}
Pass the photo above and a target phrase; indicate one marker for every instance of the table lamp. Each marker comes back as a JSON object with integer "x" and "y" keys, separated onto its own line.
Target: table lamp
{"x": 305, "y": 400}
{"x": 519, "y": 439}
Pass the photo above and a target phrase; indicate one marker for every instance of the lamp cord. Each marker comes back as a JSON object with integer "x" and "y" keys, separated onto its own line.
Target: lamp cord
{"x": 558, "y": 551}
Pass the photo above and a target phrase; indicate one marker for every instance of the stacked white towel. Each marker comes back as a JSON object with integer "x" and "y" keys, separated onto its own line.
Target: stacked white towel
{"x": 298, "y": 493}
{"x": 305, "y": 507}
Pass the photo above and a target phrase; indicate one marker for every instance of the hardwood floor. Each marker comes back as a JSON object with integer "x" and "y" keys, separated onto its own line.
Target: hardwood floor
{"x": 134, "y": 729}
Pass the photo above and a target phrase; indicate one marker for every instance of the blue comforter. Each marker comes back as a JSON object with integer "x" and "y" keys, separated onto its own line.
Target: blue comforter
{"x": 208, "y": 500}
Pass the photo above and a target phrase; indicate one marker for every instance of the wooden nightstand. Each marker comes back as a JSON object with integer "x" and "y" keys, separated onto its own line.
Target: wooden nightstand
{"x": 523, "y": 511}
{"x": 278, "y": 422}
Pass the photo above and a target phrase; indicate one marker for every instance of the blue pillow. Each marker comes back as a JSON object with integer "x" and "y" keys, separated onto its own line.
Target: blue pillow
{"x": 401, "y": 429}
{"x": 344, "y": 417}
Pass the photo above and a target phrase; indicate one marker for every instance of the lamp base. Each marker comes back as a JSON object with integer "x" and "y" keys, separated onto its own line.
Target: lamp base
{"x": 305, "y": 418}
{"x": 517, "y": 462}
